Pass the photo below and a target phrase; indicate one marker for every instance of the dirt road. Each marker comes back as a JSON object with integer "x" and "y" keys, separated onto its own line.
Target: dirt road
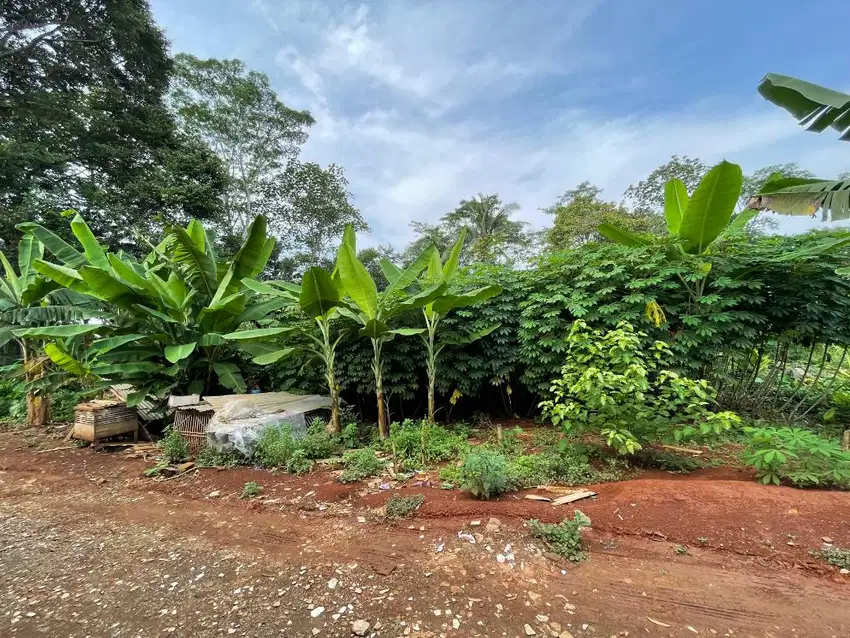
{"x": 90, "y": 548}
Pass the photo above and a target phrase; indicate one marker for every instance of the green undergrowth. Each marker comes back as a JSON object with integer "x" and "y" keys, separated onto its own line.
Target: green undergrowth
{"x": 419, "y": 444}
{"x": 562, "y": 538}
{"x": 360, "y": 464}
{"x": 403, "y": 506}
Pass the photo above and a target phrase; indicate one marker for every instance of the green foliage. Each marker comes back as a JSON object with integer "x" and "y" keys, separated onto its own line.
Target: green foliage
{"x": 276, "y": 446}
{"x": 484, "y": 474}
{"x": 838, "y": 556}
{"x": 251, "y": 489}
{"x": 612, "y": 385}
{"x": 451, "y": 474}
{"x": 360, "y": 464}
{"x": 669, "y": 461}
{"x": 174, "y": 447}
{"x": 13, "y": 401}
{"x": 569, "y": 466}
{"x": 798, "y": 455}
{"x": 208, "y": 457}
{"x": 319, "y": 443}
{"x": 422, "y": 443}
{"x": 403, "y": 506}
{"x": 563, "y": 538}
{"x": 299, "y": 462}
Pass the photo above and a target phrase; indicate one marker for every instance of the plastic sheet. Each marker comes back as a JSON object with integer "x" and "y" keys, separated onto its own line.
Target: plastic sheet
{"x": 238, "y": 425}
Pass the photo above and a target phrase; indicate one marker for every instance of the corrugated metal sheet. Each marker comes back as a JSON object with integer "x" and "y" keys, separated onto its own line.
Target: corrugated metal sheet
{"x": 270, "y": 402}
{"x": 147, "y": 409}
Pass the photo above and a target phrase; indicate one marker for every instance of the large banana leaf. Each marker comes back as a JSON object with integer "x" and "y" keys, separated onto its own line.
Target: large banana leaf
{"x": 318, "y": 293}
{"x": 104, "y": 286}
{"x": 815, "y": 107}
{"x": 58, "y": 332}
{"x": 622, "y": 236}
{"x": 29, "y": 249}
{"x": 800, "y": 196}
{"x": 409, "y": 274}
{"x": 444, "y": 304}
{"x": 675, "y": 204}
{"x": 357, "y": 281}
{"x": 198, "y": 266}
{"x": 63, "y": 275}
{"x": 91, "y": 247}
{"x": 711, "y": 207}
{"x": 272, "y": 357}
{"x": 420, "y": 299}
{"x": 102, "y": 346}
{"x": 230, "y": 377}
{"x": 259, "y": 334}
{"x": 12, "y": 284}
{"x": 254, "y": 254}
{"x": 179, "y": 352}
{"x": 374, "y": 329}
{"x": 390, "y": 270}
{"x": 65, "y": 361}
{"x": 453, "y": 261}
{"x": 54, "y": 244}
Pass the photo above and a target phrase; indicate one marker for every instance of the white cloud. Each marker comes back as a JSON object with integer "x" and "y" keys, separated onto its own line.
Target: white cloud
{"x": 414, "y": 101}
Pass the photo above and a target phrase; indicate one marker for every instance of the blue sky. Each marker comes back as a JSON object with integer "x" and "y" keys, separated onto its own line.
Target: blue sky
{"x": 427, "y": 103}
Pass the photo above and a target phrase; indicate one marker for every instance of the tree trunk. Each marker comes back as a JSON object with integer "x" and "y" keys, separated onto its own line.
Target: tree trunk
{"x": 431, "y": 365}
{"x": 38, "y": 410}
{"x": 383, "y": 430}
{"x": 377, "y": 368}
{"x": 845, "y": 442}
{"x": 334, "y": 425}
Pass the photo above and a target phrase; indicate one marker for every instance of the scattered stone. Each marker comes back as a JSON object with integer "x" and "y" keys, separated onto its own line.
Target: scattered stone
{"x": 318, "y": 611}
{"x": 493, "y": 526}
{"x": 214, "y": 494}
{"x": 361, "y": 519}
{"x": 827, "y": 540}
{"x": 529, "y": 631}
{"x": 565, "y": 634}
{"x": 360, "y": 627}
{"x": 384, "y": 569}
{"x": 844, "y": 570}
{"x": 534, "y": 596}
{"x": 455, "y": 623}
{"x": 475, "y": 524}
{"x": 332, "y": 583}
{"x": 438, "y": 612}
{"x": 542, "y": 618}
{"x": 316, "y": 631}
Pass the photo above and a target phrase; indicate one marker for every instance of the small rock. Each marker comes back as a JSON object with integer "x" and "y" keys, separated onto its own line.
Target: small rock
{"x": 359, "y": 627}
{"x": 827, "y": 540}
{"x": 493, "y": 526}
{"x": 214, "y": 494}
{"x": 475, "y": 524}
{"x": 844, "y": 570}
{"x": 318, "y": 611}
{"x": 316, "y": 631}
{"x": 528, "y": 630}
{"x": 361, "y": 519}
{"x": 332, "y": 583}
{"x": 565, "y": 634}
{"x": 534, "y": 596}
{"x": 542, "y": 618}
{"x": 438, "y": 612}
{"x": 455, "y": 623}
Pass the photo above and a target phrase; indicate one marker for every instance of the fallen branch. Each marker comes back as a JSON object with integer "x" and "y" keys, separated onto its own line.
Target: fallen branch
{"x": 56, "y": 449}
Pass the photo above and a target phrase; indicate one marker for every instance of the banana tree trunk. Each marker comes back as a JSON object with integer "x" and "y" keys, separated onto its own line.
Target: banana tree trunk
{"x": 431, "y": 364}
{"x": 377, "y": 368}
{"x": 38, "y": 406}
{"x": 333, "y": 388}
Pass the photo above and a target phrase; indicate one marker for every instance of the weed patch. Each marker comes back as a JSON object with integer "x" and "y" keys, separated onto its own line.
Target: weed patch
{"x": 403, "y": 506}
{"x": 484, "y": 474}
{"x": 251, "y": 489}
{"x": 360, "y": 464}
{"x": 563, "y": 538}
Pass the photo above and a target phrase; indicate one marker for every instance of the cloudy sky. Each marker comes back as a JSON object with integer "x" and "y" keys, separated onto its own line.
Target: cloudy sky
{"x": 425, "y": 103}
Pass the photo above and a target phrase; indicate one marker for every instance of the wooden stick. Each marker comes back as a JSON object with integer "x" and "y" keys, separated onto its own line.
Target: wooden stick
{"x": 55, "y": 449}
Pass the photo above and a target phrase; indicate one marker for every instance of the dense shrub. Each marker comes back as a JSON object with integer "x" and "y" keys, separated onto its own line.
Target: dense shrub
{"x": 484, "y": 474}
{"x": 13, "y": 401}
{"x": 174, "y": 447}
{"x": 613, "y": 384}
{"x": 563, "y": 538}
{"x": 319, "y": 443}
{"x": 420, "y": 443}
{"x": 299, "y": 462}
{"x": 796, "y": 454}
{"x": 561, "y": 467}
{"x": 403, "y": 506}
{"x": 275, "y": 446}
{"x": 360, "y": 464}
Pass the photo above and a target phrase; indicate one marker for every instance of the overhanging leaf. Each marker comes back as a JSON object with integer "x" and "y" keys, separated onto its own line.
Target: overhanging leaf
{"x": 622, "y": 236}
{"x": 318, "y": 293}
{"x": 357, "y": 281}
{"x": 446, "y": 303}
{"x": 272, "y": 357}
{"x": 815, "y": 107}
{"x": 58, "y": 332}
{"x": 711, "y": 206}
{"x": 230, "y": 377}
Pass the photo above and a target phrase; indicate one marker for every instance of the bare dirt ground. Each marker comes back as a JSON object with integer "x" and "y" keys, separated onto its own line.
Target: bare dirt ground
{"x": 89, "y": 547}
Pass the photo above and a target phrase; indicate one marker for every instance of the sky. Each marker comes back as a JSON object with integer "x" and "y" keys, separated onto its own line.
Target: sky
{"x": 425, "y": 103}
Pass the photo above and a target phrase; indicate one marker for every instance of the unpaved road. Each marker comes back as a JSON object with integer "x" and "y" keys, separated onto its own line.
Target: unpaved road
{"x": 88, "y": 548}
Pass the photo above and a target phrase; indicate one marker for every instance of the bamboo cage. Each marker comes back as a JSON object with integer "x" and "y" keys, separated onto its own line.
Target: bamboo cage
{"x": 102, "y": 418}
{"x": 191, "y": 423}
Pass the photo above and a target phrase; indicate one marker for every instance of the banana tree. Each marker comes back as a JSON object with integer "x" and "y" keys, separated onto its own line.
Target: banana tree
{"x": 373, "y": 310}
{"x": 318, "y": 299}
{"x": 816, "y": 108}
{"x": 173, "y": 308}
{"x": 438, "y": 272}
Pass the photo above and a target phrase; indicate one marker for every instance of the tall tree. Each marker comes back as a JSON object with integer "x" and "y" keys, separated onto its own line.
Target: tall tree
{"x": 579, "y": 212}
{"x": 492, "y": 234}
{"x": 240, "y": 116}
{"x": 647, "y": 196}
{"x": 83, "y": 122}
{"x": 436, "y": 235}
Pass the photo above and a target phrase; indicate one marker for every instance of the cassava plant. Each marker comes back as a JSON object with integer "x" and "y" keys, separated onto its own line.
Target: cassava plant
{"x": 438, "y": 272}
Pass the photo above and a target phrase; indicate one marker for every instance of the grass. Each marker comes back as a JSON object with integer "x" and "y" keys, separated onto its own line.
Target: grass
{"x": 360, "y": 464}
{"x": 403, "y": 506}
{"x": 251, "y": 489}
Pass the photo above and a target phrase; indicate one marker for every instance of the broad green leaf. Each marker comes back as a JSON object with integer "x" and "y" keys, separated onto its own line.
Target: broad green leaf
{"x": 62, "y": 275}
{"x": 91, "y": 247}
{"x": 272, "y": 357}
{"x": 55, "y": 245}
{"x": 675, "y": 204}
{"x": 409, "y": 275}
{"x": 128, "y": 274}
{"x": 11, "y": 277}
{"x": 622, "y": 236}
{"x": 740, "y": 222}
{"x": 257, "y": 311}
{"x": 357, "y": 281}
{"x": 318, "y": 293}
{"x": 458, "y": 340}
{"x": 350, "y": 238}
{"x": 390, "y": 270}
{"x": 29, "y": 249}
{"x": 210, "y": 339}
{"x": 223, "y": 288}
{"x": 104, "y": 286}
{"x": 198, "y": 266}
{"x": 254, "y": 253}
{"x": 815, "y": 107}
{"x": 102, "y": 346}
{"x": 435, "y": 268}
{"x": 65, "y": 361}
{"x": 155, "y": 313}
{"x": 444, "y": 304}
{"x": 407, "y": 332}
{"x": 59, "y": 332}
{"x": 421, "y": 299}
{"x": 711, "y": 207}
{"x": 259, "y": 334}
{"x": 179, "y": 352}
{"x": 452, "y": 262}
{"x": 229, "y": 376}
{"x": 374, "y": 329}
{"x": 126, "y": 368}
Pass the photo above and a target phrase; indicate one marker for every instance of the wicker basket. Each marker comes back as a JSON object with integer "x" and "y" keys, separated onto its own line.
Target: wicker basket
{"x": 101, "y": 419}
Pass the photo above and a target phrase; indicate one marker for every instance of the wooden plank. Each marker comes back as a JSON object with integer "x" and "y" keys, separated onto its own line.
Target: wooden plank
{"x": 575, "y": 496}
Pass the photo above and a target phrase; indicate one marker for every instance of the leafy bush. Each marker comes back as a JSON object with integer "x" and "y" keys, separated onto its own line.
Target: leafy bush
{"x": 13, "y": 401}
{"x": 423, "y": 443}
{"x": 350, "y": 435}
{"x": 451, "y": 474}
{"x": 173, "y": 446}
{"x": 319, "y": 443}
{"x": 299, "y": 462}
{"x": 563, "y": 538}
{"x": 275, "y": 446}
{"x": 251, "y": 489}
{"x": 563, "y": 467}
{"x": 796, "y": 454}
{"x": 208, "y": 457}
{"x": 669, "y": 461}
{"x": 837, "y": 556}
{"x": 403, "y": 506}
{"x": 484, "y": 474}
{"x": 360, "y": 464}
{"x": 610, "y": 383}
